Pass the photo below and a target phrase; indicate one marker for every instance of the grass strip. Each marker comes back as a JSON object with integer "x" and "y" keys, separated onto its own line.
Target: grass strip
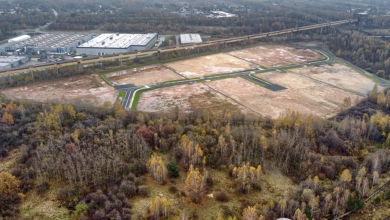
{"x": 121, "y": 95}
{"x": 2, "y": 96}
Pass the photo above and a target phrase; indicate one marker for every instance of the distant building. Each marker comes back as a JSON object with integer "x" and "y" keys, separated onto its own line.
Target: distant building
{"x": 221, "y": 14}
{"x": 7, "y": 62}
{"x": 190, "y": 38}
{"x": 361, "y": 17}
{"x": 51, "y": 43}
{"x": 20, "y": 38}
{"x": 118, "y": 43}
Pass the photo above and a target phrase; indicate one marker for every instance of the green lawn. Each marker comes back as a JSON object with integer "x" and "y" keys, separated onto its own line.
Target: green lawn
{"x": 2, "y": 96}
{"x": 121, "y": 95}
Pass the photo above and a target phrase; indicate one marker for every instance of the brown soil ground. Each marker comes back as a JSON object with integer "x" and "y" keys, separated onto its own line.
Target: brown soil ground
{"x": 210, "y": 65}
{"x": 340, "y": 76}
{"x": 276, "y": 55}
{"x": 186, "y": 97}
{"x": 88, "y": 89}
{"x": 143, "y": 76}
{"x": 302, "y": 94}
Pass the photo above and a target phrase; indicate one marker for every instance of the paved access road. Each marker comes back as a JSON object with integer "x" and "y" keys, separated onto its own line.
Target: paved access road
{"x": 130, "y": 89}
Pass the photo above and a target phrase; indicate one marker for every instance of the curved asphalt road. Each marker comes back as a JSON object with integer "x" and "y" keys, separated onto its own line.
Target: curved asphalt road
{"x": 130, "y": 89}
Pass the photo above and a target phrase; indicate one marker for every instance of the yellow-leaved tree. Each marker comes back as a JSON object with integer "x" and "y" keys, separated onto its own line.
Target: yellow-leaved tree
{"x": 195, "y": 184}
{"x": 250, "y": 213}
{"x": 8, "y": 183}
{"x": 161, "y": 208}
{"x": 157, "y": 168}
{"x": 346, "y": 177}
{"x": 7, "y": 119}
{"x": 247, "y": 176}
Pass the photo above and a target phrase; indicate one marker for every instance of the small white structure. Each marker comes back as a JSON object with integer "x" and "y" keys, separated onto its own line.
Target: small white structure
{"x": 20, "y": 38}
{"x": 190, "y": 38}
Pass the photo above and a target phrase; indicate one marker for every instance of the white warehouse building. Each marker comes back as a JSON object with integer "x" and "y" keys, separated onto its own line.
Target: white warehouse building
{"x": 190, "y": 38}
{"x": 19, "y": 38}
{"x": 117, "y": 43}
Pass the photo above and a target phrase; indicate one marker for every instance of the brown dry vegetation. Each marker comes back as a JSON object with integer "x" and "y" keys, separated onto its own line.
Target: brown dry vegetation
{"x": 302, "y": 94}
{"x": 143, "y": 75}
{"x": 89, "y": 89}
{"x": 186, "y": 97}
{"x": 340, "y": 76}
{"x": 210, "y": 65}
{"x": 43, "y": 206}
{"x": 274, "y": 185}
{"x": 276, "y": 55}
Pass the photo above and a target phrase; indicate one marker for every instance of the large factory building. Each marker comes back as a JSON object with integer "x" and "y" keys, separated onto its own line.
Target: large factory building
{"x": 51, "y": 43}
{"x": 117, "y": 43}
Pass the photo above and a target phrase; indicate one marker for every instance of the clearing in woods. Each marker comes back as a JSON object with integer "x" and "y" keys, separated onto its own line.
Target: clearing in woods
{"x": 186, "y": 97}
{"x": 210, "y": 65}
{"x": 302, "y": 94}
{"x": 277, "y": 55}
{"x": 274, "y": 185}
{"x": 90, "y": 89}
{"x": 143, "y": 76}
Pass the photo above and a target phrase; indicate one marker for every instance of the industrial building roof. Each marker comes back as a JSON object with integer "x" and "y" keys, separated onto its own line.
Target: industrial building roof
{"x": 222, "y": 14}
{"x": 10, "y": 59}
{"x": 49, "y": 40}
{"x": 19, "y": 38}
{"x": 190, "y": 38}
{"x": 119, "y": 40}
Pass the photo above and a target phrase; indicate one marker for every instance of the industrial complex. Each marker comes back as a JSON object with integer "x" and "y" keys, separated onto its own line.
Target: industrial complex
{"x": 51, "y": 43}
{"x": 117, "y": 43}
{"x": 7, "y": 62}
{"x": 190, "y": 38}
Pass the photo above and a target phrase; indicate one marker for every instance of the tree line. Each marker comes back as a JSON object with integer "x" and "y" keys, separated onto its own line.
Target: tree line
{"x": 105, "y": 154}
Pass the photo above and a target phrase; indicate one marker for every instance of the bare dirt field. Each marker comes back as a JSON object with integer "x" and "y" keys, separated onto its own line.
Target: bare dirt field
{"x": 210, "y": 65}
{"x": 276, "y": 55}
{"x": 302, "y": 94}
{"x": 339, "y": 75}
{"x": 186, "y": 97}
{"x": 143, "y": 76}
{"x": 90, "y": 89}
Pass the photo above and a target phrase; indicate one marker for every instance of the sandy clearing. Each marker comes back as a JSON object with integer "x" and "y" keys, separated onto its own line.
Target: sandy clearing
{"x": 186, "y": 97}
{"x": 88, "y": 89}
{"x": 339, "y": 75}
{"x": 143, "y": 76}
{"x": 302, "y": 94}
{"x": 276, "y": 55}
{"x": 210, "y": 65}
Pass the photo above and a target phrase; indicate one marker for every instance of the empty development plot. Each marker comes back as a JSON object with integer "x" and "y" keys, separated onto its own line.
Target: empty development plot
{"x": 302, "y": 94}
{"x": 339, "y": 75}
{"x": 210, "y": 65}
{"x": 143, "y": 76}
{"x": 276, "y": 55}
{"x": 89, "y": 89}
{"x": 186, "y": 97}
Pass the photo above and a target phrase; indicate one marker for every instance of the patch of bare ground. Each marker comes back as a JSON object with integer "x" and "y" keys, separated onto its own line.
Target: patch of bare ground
{"x": 143, "y": 75}
{"x": 210, "y": 65}
{"x": 8, "y": 163}
{"x": 87, "y": 89}
{"x": 276, "y": 55}
{"x": 186, "y": 97}
{"x": 339, "y": 75}
{"x": 302, "y": 94}
{"x": 43, "y": 206}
